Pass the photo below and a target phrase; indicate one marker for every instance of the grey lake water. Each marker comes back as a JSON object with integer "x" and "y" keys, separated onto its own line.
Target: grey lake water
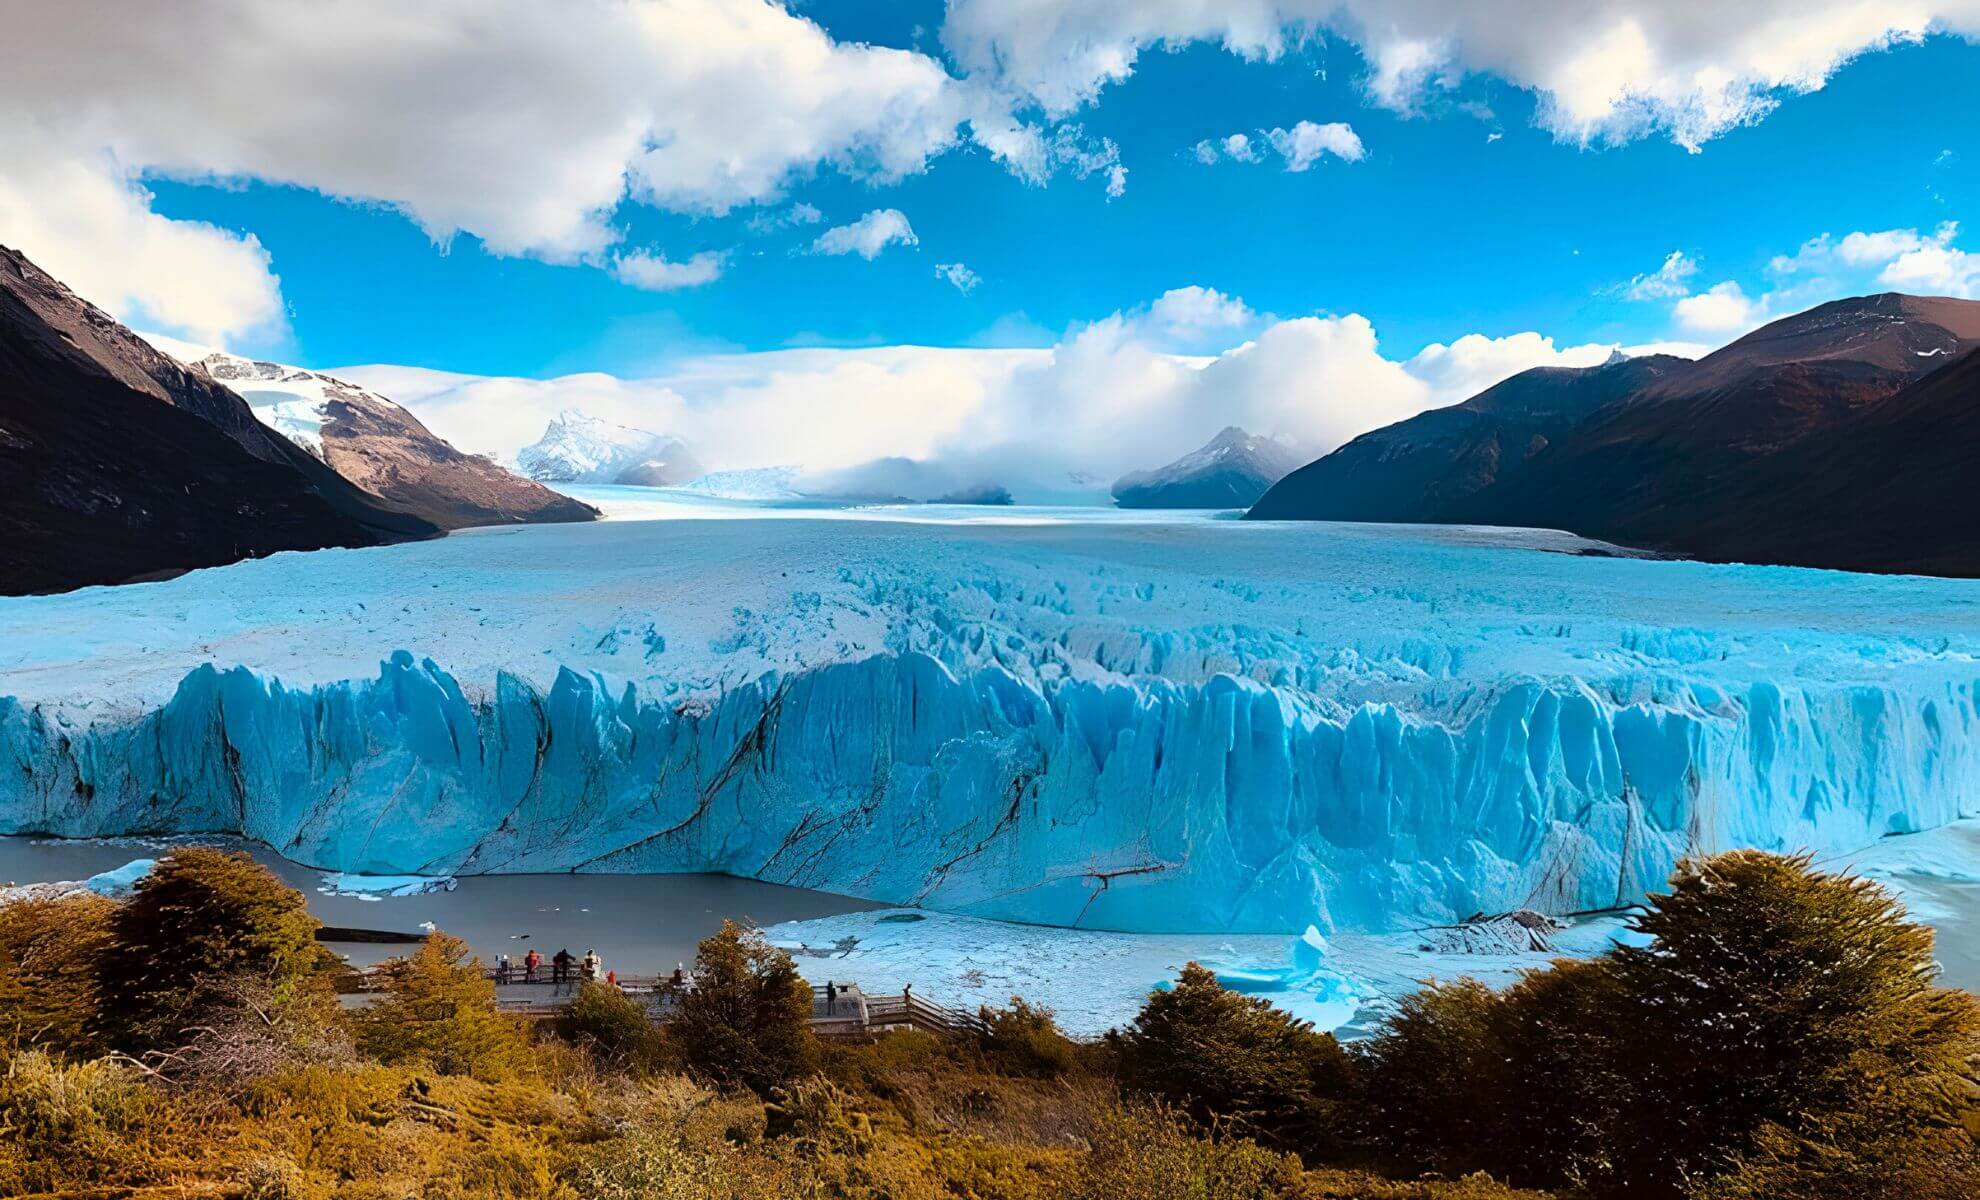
{"x": 639, "y": 924}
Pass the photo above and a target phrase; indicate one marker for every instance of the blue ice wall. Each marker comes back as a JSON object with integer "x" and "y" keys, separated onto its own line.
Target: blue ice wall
{"x": 1143, "y": 804}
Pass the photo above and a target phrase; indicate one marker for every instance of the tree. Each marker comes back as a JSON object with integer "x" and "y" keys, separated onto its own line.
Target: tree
{"x": 1778, "y": 1035}
{"x": 748, "y": 1018}
{"x": 201, "y": 916}
{"x": 1220, "y": 1055}
{"x": 439, "y": 1010}
{"x": 1783, "y": 1015}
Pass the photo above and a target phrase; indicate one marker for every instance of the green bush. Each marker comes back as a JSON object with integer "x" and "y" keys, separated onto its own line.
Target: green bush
{"x": 748, "y": 1018}
{"x": 1222, "y": 1056}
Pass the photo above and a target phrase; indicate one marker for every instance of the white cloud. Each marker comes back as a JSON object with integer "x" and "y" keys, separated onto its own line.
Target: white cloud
{"x": 655, "y": 273}
{"x": 1902, "y": 260}
{"x": 868, "y": 236}
{"x": 958, "y": 274}
{"x": 1301, "y": 146}
{"x": 1827, "y": 268}
{"x": 88, "y": 222}
{"x": 1306, "y": 143}
{"x": 523, "y": 124}
{"x": 1187, "y": 316}
{"x": 1107, "y": 397}
{"x": 1602, "y": 72}
{"x": 1724, "y": 308}
{"x": 1668, "y": 282}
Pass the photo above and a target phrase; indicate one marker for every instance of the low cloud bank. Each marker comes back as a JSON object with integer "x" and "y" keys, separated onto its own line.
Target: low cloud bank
{"x": 1057, "y": 423}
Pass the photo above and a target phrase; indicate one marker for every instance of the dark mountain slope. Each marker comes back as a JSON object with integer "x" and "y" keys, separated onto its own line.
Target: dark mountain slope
{"x": 1892, "y": 491}
{"x": 1415, "y": 470}
{"x": 1668, "y": 464}
{"x": 116, "y": 463}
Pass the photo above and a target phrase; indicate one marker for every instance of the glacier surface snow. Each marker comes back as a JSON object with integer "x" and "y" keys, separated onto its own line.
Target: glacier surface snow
{"x": 1183, "y": 727}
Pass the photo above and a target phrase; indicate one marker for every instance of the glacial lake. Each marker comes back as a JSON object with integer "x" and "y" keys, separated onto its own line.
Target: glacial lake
{"x": 639, "y": 924}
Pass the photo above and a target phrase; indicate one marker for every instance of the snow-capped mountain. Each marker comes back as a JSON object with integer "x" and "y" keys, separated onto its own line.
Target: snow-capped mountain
{"x": 579, "y": 448}
{"x": 384, "y": 449}
{"x": 1232, "y": 471}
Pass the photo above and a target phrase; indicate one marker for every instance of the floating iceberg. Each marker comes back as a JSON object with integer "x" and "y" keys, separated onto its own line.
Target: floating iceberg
{"x": 1142, "y": 727}
{"x": 384, "y": 887}
{"x": 119, "y": 881}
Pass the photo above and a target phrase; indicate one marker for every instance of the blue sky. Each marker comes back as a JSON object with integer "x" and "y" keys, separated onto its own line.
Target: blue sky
{"x": 620, "y": 205}
{"x": 1438, "y": 232}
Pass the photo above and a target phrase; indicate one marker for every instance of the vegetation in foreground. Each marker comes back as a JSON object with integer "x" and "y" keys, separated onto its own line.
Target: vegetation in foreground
{"x": 1777, "y": 1034}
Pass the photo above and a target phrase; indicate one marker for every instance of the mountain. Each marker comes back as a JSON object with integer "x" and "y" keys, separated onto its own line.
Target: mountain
{"x": 117, "y": 462}
{"x": 1416, "y": 469}
{"x": 1890, "y": 491}
{"x": 576, "y": 448}
{"x": 1233, "y": 470}
{"x": 385, "y": 450}
{"x": 1669, "y": 466}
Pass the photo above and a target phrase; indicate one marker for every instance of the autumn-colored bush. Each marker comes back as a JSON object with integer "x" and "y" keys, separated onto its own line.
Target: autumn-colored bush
{"x": 439, "y": 1011}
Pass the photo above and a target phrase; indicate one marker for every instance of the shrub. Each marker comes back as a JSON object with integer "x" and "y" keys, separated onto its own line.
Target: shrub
{"x": 1222, "y": 1056}
{"x": 613, "y": 1026}
{"x": 748, "y": 1018}
{"x": 201, "y": 915}
{"x": 1145, "y": 1154}
{"x": 1023, "y": 1039}
{"x": 440, "y": 1012}
{"x": 49, "y": 955}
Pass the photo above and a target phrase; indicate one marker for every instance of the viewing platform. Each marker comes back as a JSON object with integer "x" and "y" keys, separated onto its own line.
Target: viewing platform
{"x": 847, "y": 1012}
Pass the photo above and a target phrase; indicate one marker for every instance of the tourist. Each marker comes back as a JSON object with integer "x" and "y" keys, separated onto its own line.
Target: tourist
{"x": 612, "y": 978}
{"x": 531, "y": 962}
{"x": 591, "y": 965}
{"x": 560, "y": 967}
{"x": 502, "y": 970}
{"x": 831, "y": 998}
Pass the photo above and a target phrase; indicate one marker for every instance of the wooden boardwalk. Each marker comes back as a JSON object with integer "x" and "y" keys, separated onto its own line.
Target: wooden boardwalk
{"x": 850, "y": 1013}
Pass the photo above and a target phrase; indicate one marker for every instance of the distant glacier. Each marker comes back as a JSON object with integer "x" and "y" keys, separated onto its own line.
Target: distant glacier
{"x": 1176, "y": 727}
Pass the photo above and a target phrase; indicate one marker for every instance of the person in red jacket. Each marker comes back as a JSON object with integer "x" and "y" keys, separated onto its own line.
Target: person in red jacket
{"x": 531, "y": 962}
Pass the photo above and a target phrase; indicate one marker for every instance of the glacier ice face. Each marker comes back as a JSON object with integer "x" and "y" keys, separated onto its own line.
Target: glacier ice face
{"x": 1173, "y": 727}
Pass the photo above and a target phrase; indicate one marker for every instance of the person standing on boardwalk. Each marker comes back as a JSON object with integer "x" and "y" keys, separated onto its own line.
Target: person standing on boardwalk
{"x": 831, "y": 998}
{"x": 531, "y": 961}
{"x": 591, "y": 965}
{"x": 502, "y": 970}
{"x": 560, "y": 967}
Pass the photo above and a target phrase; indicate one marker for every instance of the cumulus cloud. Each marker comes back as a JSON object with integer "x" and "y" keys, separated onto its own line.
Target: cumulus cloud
{"x": 964, "y": 279}
{"x": 88, "y": 222}
{"x": 1821, "y": 269}
{"x": 656, "y": 273}
{"x": 525, "y": 125}
{"x": 1602, "y": 72}
{"x": 868, "y": 236}
{"x": 1306, "y": 143}
{"x": 1724, "y": 308}
{"x": 1063, "y": 422}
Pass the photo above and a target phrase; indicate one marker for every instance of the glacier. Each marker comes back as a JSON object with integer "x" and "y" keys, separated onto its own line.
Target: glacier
{"x": 1151, "y": 725}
